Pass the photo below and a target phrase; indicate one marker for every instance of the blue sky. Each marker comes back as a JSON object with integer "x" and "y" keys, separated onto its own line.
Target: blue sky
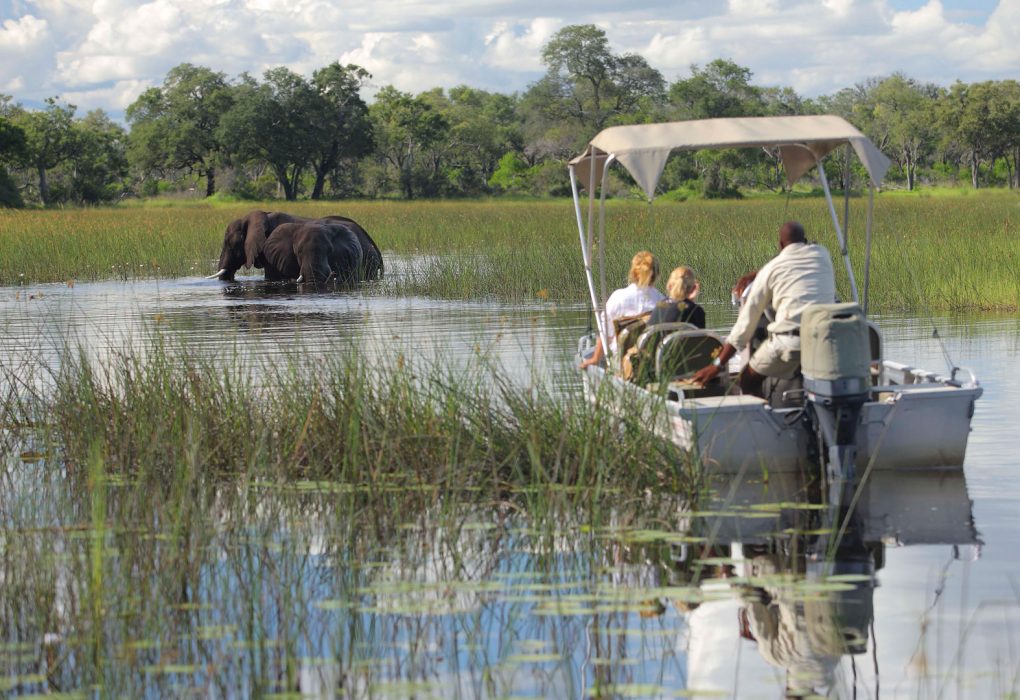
{"x": 104, "y": 53}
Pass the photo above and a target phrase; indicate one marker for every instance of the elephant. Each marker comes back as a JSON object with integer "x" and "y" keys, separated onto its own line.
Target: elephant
{"x": 245, "y": 241}
{"x": 314, "y": 251}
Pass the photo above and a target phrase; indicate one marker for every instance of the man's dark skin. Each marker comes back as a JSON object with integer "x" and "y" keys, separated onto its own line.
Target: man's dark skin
{"x": 750, "y": 382}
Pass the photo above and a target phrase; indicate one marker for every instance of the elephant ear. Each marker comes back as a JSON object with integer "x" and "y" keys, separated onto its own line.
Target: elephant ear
{"x": 257, "y": 224}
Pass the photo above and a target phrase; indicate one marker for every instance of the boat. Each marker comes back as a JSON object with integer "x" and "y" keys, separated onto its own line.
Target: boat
{"x": 890, "y": 416}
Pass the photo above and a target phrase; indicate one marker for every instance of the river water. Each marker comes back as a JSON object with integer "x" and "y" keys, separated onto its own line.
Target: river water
{"x": 657, "y": 601}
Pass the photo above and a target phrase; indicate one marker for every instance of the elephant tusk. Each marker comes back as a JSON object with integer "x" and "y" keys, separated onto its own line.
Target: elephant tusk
{"x": 217, "y": 275}
{"x": 300, "y": 279}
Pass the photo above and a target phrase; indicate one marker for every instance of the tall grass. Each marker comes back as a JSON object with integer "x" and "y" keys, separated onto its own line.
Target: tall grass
{"x": 158, "y": 411}
{"x": 946, "y": 253}
{"x": 140, "y": 551}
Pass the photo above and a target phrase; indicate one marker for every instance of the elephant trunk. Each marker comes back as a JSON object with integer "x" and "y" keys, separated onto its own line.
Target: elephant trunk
{"x": 218, "y": 275}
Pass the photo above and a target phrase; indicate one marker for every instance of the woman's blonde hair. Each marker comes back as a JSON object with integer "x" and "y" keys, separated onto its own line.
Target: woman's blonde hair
{"x": 680, "y": 283}
{"x": 644, "y": 268}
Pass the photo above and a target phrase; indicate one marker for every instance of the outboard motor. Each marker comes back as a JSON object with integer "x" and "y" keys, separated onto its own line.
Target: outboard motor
{"x": 835, "y": 362}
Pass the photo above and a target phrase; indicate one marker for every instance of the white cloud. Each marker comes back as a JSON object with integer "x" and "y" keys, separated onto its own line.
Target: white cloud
{"x": 104, "y": 51}
{"x": 116, "y": 97}
{"x": 752, "y": 8}
{"x": 517, "y": 47}
{"x": 26, "y": 47}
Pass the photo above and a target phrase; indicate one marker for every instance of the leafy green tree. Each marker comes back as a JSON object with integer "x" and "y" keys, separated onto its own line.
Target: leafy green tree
{"x": 50, "y": 139}
{"x": 341, "y": 121}
{"x": 902, "y": 119}
{"x": 99, "y": 164}
{"x": 271, "y": 122}
{"x": 175, "y": 127}
{"x": 482, "y": 128}
{"x": 588, "y": 83}
{"x": 13, "y": 152}
{"x": 510, "y": 174}
{"x": 720, "y": 89}
{"x": 405, "y": 127}
{"x": 1004, "y": 108}
{"x": 975, "y": 117}
{"x": 723, "y": 89}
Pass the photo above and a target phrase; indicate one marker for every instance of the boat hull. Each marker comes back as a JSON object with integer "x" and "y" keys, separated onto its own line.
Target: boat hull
{"x": 903, "y": 426}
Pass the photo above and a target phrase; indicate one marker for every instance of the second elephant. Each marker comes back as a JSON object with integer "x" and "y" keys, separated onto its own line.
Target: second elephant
{"x": 315, "y": 252}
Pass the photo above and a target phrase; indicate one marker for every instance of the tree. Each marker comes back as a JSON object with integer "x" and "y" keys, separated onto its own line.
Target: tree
{"x": 977, "y": 117}
{"x": 723, "y": 89}
{"x": 720, "y": 89}
{"x": 903, "y": 120}
{"x": 13, "y": 152}
{"x": 50, "y": 139}
{"x": 175, "y": 127}
{"x": 272, "y": 122}
{"x": 99, "y": 162}
{"x": 405, "y": 126}
{"x": 341, "y": 121}
{"x": 591, "y": 84}
{"x": 482, "y": 128}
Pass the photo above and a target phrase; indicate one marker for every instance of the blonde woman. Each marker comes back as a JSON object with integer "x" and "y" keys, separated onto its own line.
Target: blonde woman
{"x": 683, "y": 288}
{"x": 638, "y": 297}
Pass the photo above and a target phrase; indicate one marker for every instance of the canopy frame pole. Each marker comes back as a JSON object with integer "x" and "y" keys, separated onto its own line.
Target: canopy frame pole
{"x": 585, "y": 237}
{"x": 846, "y": 193}
{"x": 839, "y": 233}
{"x": 867, "y": 244}
{"x": 610, "y": 159}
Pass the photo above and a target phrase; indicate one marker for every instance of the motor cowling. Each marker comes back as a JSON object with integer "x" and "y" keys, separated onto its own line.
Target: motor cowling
{"x": 835, "y": 361}
{"x": 835, "y": 353}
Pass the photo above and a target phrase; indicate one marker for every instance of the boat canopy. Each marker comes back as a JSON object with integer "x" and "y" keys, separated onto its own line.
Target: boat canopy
{"x": 802, "y": 141}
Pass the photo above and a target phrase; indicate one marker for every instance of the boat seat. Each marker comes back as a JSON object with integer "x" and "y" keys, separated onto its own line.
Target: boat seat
{"x": 628, "y": 331}
{"x": 641, "y": 359}
{"x": 683, "y": 352}
{"x": 875, "y": 343}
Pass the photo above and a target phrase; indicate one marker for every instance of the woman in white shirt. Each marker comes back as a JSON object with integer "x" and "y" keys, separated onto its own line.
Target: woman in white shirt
{"x": 638, "y": 297}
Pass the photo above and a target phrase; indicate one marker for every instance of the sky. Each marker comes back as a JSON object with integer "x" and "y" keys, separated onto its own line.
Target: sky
{"x": 104, "y": 53}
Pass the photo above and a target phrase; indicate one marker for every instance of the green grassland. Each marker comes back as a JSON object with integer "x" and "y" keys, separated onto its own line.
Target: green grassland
{"x": 945, "y": 251}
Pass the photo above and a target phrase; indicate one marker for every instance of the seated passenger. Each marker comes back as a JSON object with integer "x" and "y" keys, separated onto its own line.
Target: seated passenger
{"x": 682, "y": 288}
{"x": 639, "y": 297}
{"x": 800, "y": 275}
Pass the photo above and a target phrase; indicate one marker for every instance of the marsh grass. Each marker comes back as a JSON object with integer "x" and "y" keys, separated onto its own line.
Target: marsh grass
{"x": 162, "y": 510}
{"x": 939, "y": 252}
{"x": 158, "y": 411}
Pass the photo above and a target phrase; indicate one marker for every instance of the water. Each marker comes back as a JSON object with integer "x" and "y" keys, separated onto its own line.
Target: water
{"x": 320, "y": 590}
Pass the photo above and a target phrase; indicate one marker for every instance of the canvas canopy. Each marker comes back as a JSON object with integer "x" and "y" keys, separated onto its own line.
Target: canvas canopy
{"x": 802, "y": 142}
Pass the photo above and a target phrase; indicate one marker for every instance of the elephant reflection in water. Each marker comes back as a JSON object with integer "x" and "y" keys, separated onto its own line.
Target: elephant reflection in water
{"x": 288, "y": 247}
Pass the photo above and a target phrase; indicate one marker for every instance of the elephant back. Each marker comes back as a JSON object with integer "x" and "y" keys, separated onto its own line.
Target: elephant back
{"x": 371, "y": 260}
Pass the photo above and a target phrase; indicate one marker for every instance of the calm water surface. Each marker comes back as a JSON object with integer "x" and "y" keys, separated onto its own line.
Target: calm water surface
{"x": 294, "y": 592}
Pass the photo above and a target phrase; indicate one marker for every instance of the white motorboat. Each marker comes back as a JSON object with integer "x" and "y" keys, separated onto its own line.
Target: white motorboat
{"x": 896, "y": 417}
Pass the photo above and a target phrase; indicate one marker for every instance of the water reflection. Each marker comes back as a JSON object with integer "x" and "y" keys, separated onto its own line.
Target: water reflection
{"x": 332, "y": 590}
{"x": 806, "y": 597}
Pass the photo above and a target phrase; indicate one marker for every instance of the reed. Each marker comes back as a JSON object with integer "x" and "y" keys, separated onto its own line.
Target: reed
{"x": 158, "y": 411}
{"x": 944, "y": 252}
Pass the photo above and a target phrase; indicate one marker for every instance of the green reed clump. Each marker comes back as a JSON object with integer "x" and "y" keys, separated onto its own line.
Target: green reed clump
{"x": 159, "y": 412}
{"x": 946, "y": 253}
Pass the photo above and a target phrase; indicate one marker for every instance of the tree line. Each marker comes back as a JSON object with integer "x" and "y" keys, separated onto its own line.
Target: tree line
{"x": 285, "y": 135}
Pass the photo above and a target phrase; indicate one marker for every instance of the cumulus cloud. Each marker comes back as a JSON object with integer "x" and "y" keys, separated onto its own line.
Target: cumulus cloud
{"x": 26, "y": 48}
{"x": 517, "y": 46}
{"x": 104, "y": 52}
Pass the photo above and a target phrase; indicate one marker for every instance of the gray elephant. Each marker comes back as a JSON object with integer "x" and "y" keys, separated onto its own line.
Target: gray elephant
{"x": 246, "y": 241}
{"x": 314, "y": 251}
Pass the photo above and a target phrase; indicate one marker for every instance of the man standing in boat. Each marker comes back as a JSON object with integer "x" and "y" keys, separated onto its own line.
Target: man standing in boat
{"x": 799, "y": 276}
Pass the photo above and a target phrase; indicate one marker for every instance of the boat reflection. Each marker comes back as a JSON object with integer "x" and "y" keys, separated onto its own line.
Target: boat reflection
{"x": 804, "y": 586}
